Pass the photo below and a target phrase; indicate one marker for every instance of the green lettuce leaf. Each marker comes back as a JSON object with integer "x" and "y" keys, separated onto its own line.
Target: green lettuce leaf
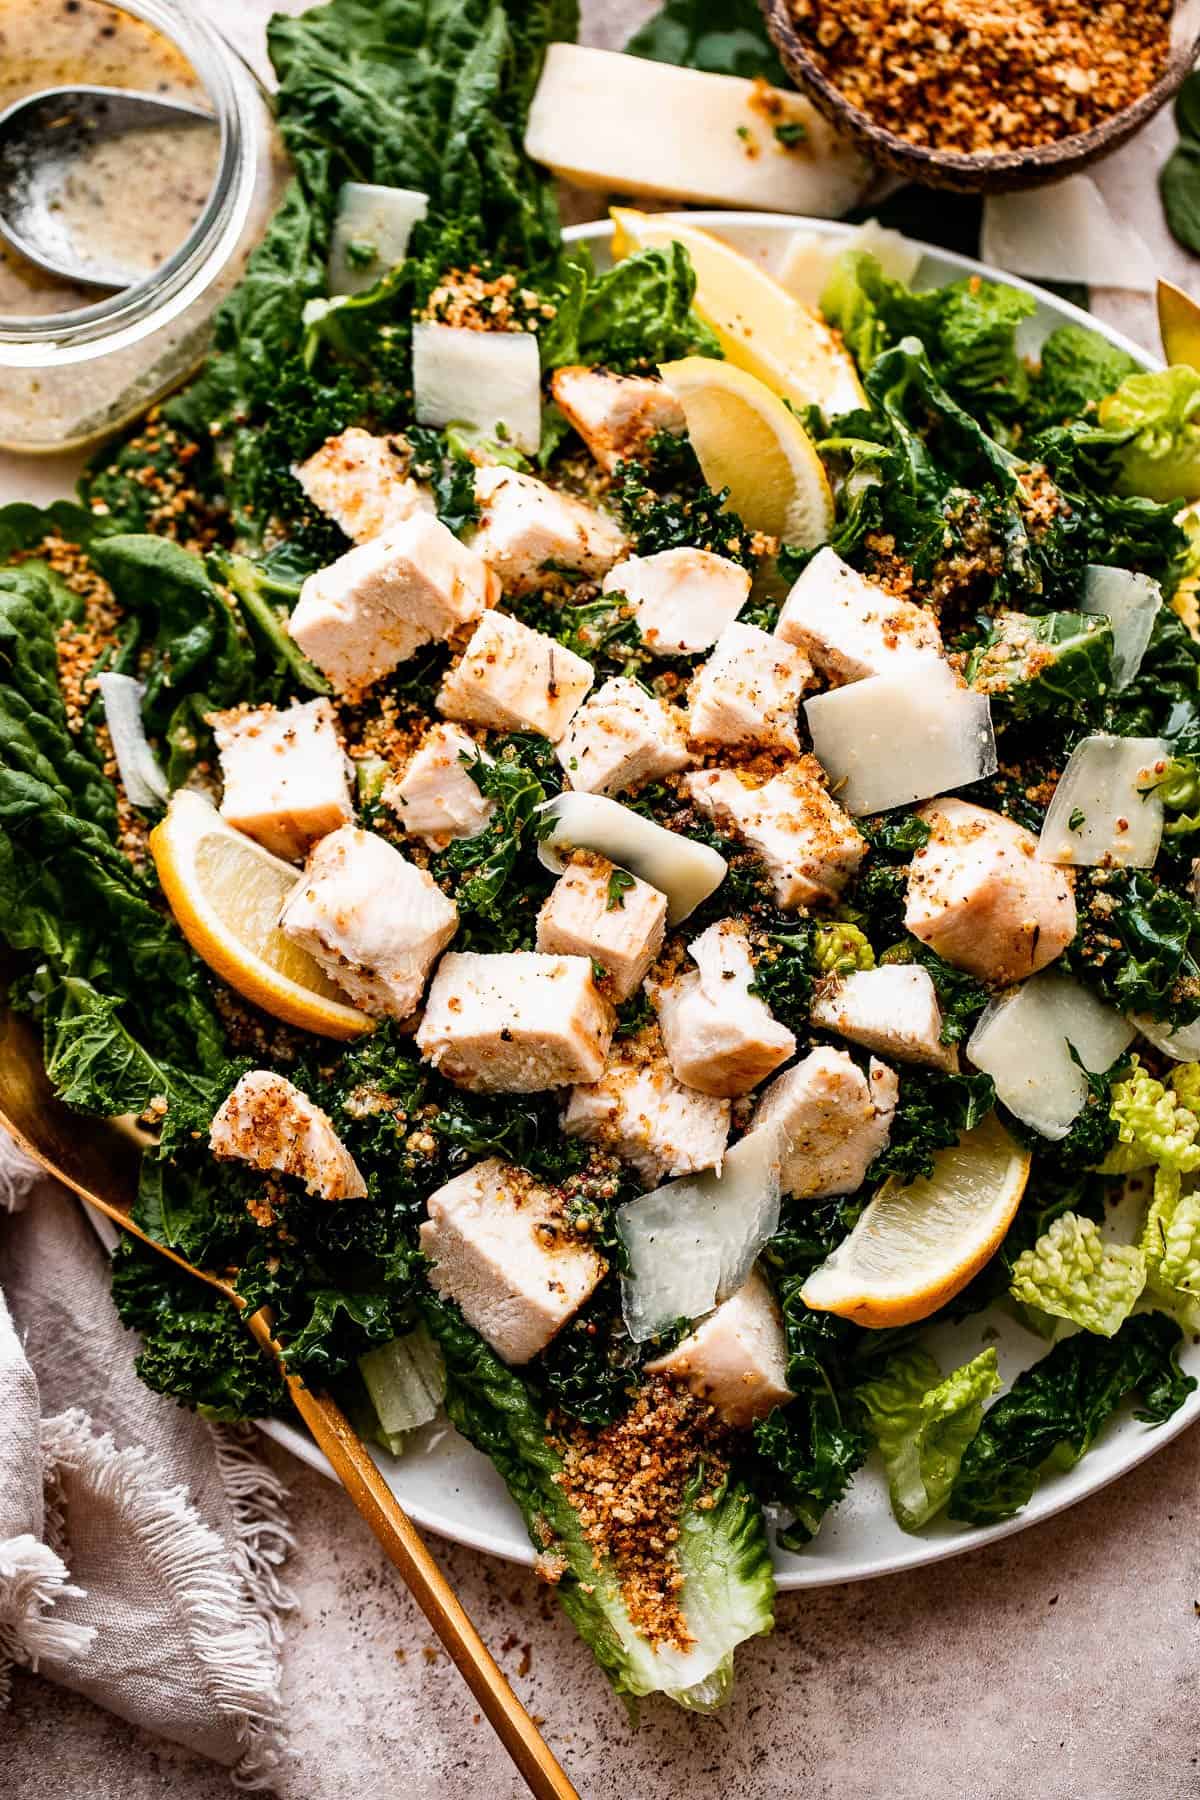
{"x": 1157, "y": 1126}
{"x": 1073, "y": 1274}
{"x": 1171, "y": 1247}
{"x": 922, "y": 1423}
{"x": 728, "y": 1584}
{"x": 1078, "y": 368}
{"x": 70, "y": 900}
{"x": 1052, "y": 1414}
{"x": 1154, "y": 420}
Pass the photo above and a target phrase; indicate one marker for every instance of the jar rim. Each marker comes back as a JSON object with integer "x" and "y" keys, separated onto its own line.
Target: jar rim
{"x": 175, "y": 283}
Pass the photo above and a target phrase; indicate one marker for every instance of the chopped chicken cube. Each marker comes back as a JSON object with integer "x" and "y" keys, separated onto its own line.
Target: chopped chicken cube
{"x": 528, "y": 530}
{"x": 849, "y": 627}
{"x": 616, "y": 415}
{"x": 979, "y": 894}
{"x": 719, "y": 1037}
{"x": 376, "y": 606}
{"x": 835, "y": 1121}
{"x": 515, "y": 1023}
{"x": 737, "y": 1359}
{"x": 270, "y": 1124}
{"x": 639, "y": 1112}
{"x": 598, "y": 910}
{"x": 621, "y": 737}
{"x": 892, "y": 1010}
{"x": 683, "y": 599}
{"x": 808, "y": 845}
{"x": 360, "y": 482}
{"x": 436, "y": 798}
{"x": 372, "y": 921}
{"x": 512, "y": 678}
{"x": 500, "y": 1246}
{"x": 748, "y": 691}
{"x": 284, "y": 775}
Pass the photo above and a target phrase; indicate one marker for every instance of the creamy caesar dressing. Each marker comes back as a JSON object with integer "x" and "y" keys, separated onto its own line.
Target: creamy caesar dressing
{"x": 124, "y": 202}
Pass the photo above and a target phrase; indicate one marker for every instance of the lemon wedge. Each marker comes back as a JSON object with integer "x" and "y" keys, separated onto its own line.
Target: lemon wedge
{"x": 760, "y": 326}
{"x": 748, "y": 441}
{"x": 919, "y": 1243}
{"x": 225, "y": 892}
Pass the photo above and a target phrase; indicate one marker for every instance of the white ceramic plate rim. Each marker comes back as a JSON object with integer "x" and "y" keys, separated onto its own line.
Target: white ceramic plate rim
{"x": 489, "y": 1520}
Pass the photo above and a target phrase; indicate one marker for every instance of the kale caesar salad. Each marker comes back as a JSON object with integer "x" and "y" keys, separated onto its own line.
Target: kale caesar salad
{"x": 627, "y": 833}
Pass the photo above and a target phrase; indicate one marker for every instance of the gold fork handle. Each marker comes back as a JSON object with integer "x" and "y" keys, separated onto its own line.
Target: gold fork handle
{"x": 406, "y": 1548}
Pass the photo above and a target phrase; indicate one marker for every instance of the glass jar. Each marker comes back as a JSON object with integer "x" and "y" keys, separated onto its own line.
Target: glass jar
{"x": 69, "y": 379}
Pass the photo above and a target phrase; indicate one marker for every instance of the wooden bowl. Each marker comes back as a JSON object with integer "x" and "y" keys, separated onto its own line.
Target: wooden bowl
{"x": 996, "y": 171}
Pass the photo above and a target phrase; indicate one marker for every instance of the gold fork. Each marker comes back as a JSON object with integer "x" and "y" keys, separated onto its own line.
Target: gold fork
{"x": 99, "y": 1161}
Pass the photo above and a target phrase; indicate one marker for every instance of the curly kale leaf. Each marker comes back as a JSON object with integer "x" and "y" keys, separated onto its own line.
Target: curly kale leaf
{"x": 1051, "y": 663}
{"x": 195, "y": 1346}
{"x": 451, "y": 475}
{"x": 495, "y": 877}
{"x": 1054, "y": 1411}
{"x": 1137, "y": 944}
{"x": 933, "y": 1112}
{"x": 806, "y": 1452}
{"x": 668, "y": 521}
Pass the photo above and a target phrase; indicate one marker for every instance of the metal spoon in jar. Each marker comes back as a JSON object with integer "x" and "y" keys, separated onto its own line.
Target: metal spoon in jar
{"x": 43, "y": 138}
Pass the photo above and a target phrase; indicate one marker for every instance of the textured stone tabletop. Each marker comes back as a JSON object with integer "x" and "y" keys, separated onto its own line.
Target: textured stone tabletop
{"x": 1060, "y": 1664}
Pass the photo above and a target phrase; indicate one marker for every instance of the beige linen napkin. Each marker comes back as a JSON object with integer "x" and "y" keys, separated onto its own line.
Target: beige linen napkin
{"x": 139, "y": 1547}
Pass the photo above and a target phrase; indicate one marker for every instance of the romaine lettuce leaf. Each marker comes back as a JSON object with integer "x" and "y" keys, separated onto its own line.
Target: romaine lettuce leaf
{"x": 1156, "y": 1125}
{"x": 728, "y": 1583}
{"x": 71, "y": 901}
{"x": 1154, "y": 420}
{"x": 922, "y": 1424}
{"x": 1072, "y": 1273}
{"x": 1171, "y": 1247}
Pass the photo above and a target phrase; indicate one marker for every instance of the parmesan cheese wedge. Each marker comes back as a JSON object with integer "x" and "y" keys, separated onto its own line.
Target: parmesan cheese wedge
{"x": 686, "y": 872}
{"x": 693, "y": 1242}
{"x": 1130, "y": 603}
{"x": 489, "y": 380}
{"x": 1024, "y": 1043}
{"x": 810, "y": 257}
{"x": 627, "y": 125}
{"x": 893, "y": 739}
{"x": 1104, "y": 810}
{"x": 1066, "y": 232}
{"x": 371, "y": 233}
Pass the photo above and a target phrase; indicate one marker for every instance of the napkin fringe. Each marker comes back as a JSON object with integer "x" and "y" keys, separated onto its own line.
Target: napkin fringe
{"x": 32, "y": 1579}
{"x": 235, "y": 1644}
{"x": 257, "y": 1499}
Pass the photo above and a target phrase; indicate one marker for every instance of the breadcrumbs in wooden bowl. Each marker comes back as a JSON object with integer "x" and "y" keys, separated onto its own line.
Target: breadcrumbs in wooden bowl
{"x": 986, "y": 95}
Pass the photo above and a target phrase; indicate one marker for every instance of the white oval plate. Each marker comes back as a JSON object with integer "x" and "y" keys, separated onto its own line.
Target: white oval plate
{"x": 453, "y": 1489}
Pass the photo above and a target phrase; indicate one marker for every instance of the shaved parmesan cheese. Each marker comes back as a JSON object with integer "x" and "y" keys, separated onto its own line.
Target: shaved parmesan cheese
{"x": 693, "y": 1242}
{"x": 1129, "y": 602}
{"x": 1065, "y": 232}
{"x": 625, "y": 124}
{"x": 1182, "y": 1043}
{"x": 810, "y": 256}
{"x": 371, "y": 233}
{"x": 1024, "y": 1043}
{"x": 490, "y": 380}
{"x": 686, "y": 872}
{"x": 143, "y": 780}
{"x": 893, "y": 739}
{"x": 1103, "y": 809}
